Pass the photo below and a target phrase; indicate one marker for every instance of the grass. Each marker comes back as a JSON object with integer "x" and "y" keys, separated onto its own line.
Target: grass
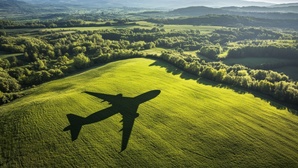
{"x": 157, "y": 50}
{"x": 190, "y": 124}
{"x": 6, "y": 55}
{"x": 202, "y": 29}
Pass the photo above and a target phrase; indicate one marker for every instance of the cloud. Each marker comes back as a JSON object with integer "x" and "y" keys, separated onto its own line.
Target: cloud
{"x": 276, "y": 1}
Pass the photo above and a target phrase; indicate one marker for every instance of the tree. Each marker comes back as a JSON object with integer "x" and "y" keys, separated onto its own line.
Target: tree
{"x": 40, "y": 65}
{"x": 2, "y": 33}
{"x": 79, "y": 49}
{"x": 8, "y": 83}
{"x": 265, "y": 86}
{"x": 63, "y": 60}
{"x": 81, "y": 61}
{"x": 211, "y": 51}
{"x": 4, "y": 63}
{"x": 209, "y": 73}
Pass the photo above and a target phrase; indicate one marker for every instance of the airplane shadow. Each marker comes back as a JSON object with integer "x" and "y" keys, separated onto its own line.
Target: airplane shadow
{"x": 126, "y": 106}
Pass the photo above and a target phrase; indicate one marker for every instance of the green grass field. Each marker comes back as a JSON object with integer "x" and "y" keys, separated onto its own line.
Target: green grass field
{"x": 157, "y": 50}
{"x": 190, "y": 124}
{"x": 202, "y": 29}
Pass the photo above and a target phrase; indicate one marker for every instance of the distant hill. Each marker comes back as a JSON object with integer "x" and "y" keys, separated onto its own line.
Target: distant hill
{"x": 281, "y": 9}
{"x": 198, "y": 11}
{"x": 14, "y": 6}
{"x": 285, "y": 5}
{"x": 152, "y": 3}
{"x": 17, "y": 8}
{"x": 290, "y": 12}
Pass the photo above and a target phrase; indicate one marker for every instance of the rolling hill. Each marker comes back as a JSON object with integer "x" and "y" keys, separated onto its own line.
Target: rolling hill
{"x": 152, "y": 3}
{"x": 289, "y": 12}
{"x": 15, "y": 6}
{"x": 190, "y": 124}
{"x": 12, "y": 9}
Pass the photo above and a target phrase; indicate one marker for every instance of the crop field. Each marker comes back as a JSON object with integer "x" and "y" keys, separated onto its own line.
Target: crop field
{"x": 191, "y": 123}
{"x": 202, "y": 29}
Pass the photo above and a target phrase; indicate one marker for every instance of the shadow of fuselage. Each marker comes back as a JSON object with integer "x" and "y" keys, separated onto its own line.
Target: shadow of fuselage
{"x": 126, "y": 106}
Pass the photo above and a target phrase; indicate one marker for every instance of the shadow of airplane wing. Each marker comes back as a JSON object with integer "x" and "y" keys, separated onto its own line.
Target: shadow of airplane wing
{"x": 105, "y": 97}
{"x": 128, "y": 122}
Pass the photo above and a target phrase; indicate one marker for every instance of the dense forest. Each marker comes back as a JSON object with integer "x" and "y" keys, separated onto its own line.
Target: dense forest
{"x": 50, "y": 55}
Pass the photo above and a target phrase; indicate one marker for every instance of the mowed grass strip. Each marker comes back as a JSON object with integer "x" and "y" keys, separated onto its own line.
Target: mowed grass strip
{"x": 190, "y": 124}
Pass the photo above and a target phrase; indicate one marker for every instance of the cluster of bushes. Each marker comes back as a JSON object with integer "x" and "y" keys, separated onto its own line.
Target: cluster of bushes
{"x": 210, "y": 51}
{"x": 8, "y": 24}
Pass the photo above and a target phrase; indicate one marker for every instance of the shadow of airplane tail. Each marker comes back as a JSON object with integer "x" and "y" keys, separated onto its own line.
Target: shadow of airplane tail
{"x": 76, "y": 123}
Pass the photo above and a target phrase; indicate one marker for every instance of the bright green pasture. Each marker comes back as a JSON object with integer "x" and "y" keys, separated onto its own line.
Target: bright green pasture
{"x": 202, "y": 29}
{"x": 190, "y": 124}
{"x": 157, "y": 51}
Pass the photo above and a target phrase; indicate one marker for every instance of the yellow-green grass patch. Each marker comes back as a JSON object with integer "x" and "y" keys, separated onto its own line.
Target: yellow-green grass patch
{"x": 190, "y": 124}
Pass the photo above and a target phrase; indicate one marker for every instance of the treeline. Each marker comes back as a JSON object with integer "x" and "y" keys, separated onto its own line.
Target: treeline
{"x": 230, "y": 20}
{"x": 224, "y": 35}
{"x": 158, "y": 37}
{"x": 286, "y": 52}
{"x": 272, "y": 51}
{"x": 268, "y": 82}
{"x": 8, "y": 24}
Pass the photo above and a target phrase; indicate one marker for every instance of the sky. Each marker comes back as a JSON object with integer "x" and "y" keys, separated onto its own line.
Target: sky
{"x": 277, "y": 1}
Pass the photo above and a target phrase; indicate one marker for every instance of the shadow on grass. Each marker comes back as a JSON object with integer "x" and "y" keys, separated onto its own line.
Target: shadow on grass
{"x": 173, "y": 70}
{"x": 187, "y": 76}
{"x": 126, "y": 106}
